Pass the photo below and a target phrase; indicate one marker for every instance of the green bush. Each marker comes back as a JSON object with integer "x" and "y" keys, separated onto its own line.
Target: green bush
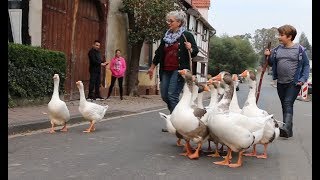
{"x": 30, "y": 72}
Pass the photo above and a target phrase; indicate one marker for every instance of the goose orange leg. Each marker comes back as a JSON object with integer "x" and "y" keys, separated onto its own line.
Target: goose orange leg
{"x": 264, "y": 155}
{"x": 188, "y": 149}
{"x": 253, "y": 153}
{"x": 195, "y": 155}
{"x": 179, "y": 142}
{"x": 52, "y": 129}
{"x": 91, "y": 128}
{"x": 209, "y": 146}
{"x": 221, "y": 148}
{"x": 216, "y": 153}
{"x": 239, "y": 162}
{"x": 226, "y": 160}
{"x": 64, "y": 128}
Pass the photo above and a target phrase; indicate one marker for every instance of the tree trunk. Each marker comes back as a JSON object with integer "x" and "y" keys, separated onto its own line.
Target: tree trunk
{"x": 133, "y": 70}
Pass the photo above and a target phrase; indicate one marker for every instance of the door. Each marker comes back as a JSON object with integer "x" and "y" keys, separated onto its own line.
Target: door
{"x": 71, "y": 26}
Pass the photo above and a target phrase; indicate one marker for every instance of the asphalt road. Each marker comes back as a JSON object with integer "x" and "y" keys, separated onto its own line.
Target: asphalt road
{"x": 133, "y": 147}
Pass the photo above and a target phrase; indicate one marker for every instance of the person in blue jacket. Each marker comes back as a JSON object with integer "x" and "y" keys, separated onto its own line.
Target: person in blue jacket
{"x": 290, "y": 67}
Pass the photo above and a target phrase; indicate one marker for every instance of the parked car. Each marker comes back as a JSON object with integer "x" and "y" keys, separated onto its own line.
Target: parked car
{"x": 309, "y": 81}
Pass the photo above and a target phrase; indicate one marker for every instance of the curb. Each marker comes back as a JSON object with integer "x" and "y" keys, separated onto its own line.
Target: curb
{"x": 45, "y": 123}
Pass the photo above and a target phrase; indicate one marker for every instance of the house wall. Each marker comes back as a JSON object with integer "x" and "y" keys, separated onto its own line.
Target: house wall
{"x": 117, "y": 38}
{"x": 116, "y": 33}
{"x": 152, "y": 86}
{"x": 204, "y": 12}
{"x": 146, "y": 85}
{"x": 35, "y": 21}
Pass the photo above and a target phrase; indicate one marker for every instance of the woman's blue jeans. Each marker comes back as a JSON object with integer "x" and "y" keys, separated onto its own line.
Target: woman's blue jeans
{"x": 170, "y": 88}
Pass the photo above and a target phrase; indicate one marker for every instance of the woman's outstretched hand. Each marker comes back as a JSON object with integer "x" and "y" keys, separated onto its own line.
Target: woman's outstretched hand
{"x": 150, "y": 72}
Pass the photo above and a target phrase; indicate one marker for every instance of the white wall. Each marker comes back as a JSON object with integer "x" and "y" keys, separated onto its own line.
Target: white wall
{"x": 117, "y": 26}
{"x": 35, "y": 21}
{"x": 204, "y": 12}
{"x": 116, "y": 36}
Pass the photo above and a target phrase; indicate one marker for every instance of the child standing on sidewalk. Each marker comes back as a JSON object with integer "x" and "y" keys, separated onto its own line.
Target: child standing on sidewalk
{"x": 118, "y": 68}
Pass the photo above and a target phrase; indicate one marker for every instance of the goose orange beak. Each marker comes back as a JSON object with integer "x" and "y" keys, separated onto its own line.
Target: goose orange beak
{"x": 182, "y": 72}
{"x": 244, "y": 73}
{"x": 217, "y": 78}
{"x": 206, "y": 88}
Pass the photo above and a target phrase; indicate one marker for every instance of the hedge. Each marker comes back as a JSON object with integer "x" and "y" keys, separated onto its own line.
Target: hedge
{"x": 30, "y": 72}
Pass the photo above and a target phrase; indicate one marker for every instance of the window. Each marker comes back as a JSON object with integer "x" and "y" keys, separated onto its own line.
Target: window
{"x": 203, "y": 69}
{"x": 145, "y": 56}
{"x": 205, "y": 35}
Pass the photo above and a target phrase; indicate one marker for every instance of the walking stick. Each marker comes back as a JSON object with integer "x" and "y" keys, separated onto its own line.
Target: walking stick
{"x": 190, "y": 58}
{"x": 262, "y": 73}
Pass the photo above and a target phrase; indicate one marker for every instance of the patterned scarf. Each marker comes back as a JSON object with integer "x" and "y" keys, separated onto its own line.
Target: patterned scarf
{"x": 171, "y": 37}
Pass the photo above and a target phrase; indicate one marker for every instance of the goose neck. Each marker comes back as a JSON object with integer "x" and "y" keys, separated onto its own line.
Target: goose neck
{"x": 82, "y": 96}
{"x": 186, "y": 95}
{"x": 224, "y": 103}
{"x": 56, "y": 88}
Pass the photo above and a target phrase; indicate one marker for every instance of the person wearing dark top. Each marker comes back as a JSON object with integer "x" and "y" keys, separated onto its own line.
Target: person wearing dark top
{"x": 95, "y": 64}
{"x": 172, "y": 55}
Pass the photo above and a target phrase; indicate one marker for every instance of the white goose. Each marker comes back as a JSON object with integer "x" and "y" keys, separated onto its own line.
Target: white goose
{"x": 214, "y": 97}
{"x": 236, "y": 131}
{"x": 202, "y": 88}
{"x": 251, "y": 109}
{"x": 234, "y": 105}
{"x": 89, "y": 110}
{"x": 170, "y": 127}
{"x": 188, "y": 121}
{"x": 58, "y": 110}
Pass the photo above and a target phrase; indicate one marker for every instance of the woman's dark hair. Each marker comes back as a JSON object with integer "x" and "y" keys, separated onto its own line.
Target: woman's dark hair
{"x": 117, "y": 50}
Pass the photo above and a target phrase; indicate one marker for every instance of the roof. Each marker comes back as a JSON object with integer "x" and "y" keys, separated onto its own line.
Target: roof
{"x": 198, "y": 15}
{"x": 201, "y": 3}
{"x": 192, "y": 10}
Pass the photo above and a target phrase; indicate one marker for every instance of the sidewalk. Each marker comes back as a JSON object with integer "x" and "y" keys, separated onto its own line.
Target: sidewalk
{"x": 25, "y": 119}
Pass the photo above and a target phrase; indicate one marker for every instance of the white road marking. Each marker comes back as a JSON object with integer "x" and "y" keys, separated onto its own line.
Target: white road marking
{"x": 83, "y": 123}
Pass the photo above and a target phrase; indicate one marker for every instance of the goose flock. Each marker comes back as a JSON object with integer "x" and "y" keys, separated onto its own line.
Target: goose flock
{"x": 222, "y": 121}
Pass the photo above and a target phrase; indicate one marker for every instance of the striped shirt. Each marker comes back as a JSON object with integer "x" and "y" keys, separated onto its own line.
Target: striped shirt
{"x": 287, "y": 62}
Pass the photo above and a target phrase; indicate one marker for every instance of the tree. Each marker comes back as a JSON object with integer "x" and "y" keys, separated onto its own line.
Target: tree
{"x": 303, "y": 40}
{"x": 232, "y": 54}
{"x": 147, "y": 23}
{"x": 261, "y": 39}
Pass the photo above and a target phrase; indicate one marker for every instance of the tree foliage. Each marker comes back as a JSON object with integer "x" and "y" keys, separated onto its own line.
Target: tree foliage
{"x": 147, "y": 18}
{"x": 263, "y": 36}
{"x": 232, "y": 54}
{"x": 261, "y": 39}
{"x": 147, "y": 23}
{"x": 303, "y": 40}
